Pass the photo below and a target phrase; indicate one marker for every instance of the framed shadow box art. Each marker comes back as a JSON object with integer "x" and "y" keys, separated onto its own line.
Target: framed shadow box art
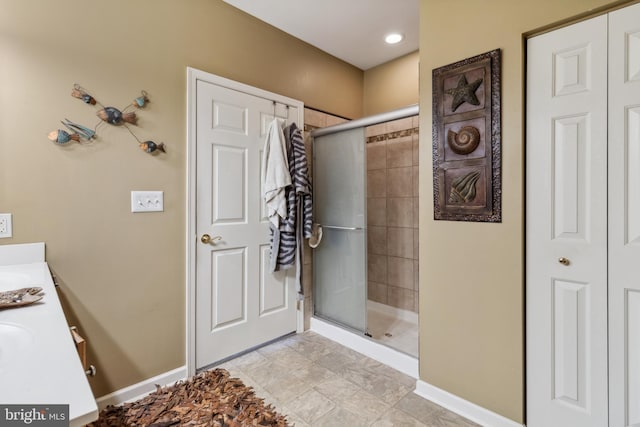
{"x": 466, "y": 140}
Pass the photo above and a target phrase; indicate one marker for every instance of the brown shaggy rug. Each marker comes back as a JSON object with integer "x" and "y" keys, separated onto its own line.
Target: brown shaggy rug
{"x": 211, "y": 398}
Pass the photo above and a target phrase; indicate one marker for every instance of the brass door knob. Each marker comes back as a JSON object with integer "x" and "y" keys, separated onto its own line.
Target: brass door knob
{"x": 208, "y": 239}
{"x": 564, "y": 261}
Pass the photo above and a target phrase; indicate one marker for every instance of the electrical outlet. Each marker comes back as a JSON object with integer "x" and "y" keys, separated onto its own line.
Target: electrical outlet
{"x": 5, "y": 225}
{"x": 147, "y": 201}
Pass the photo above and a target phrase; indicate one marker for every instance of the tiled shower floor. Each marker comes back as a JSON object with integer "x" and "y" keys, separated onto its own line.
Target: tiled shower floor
{"x": 317, "y": 382}
{"x": 399, "y": 332}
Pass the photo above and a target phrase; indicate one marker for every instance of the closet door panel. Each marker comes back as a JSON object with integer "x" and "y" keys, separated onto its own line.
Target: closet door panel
{"x": 566, "y": 227}
{"x": 632, "y": 177}
{"x": 632, "y": 355}
{"x": 571, "y": 327}
{"x": 624, "y": 217}
{"x": 570, "y": 177}
{"x": 633, "y": 55}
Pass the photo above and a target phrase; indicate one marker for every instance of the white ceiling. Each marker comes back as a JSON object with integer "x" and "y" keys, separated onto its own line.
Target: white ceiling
{"x": 352, "y": 30}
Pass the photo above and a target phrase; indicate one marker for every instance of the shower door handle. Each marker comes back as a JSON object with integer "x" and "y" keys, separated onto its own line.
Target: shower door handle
{"x": 337, "y": 227}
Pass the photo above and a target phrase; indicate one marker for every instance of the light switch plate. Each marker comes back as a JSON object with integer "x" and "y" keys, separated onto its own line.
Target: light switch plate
{"x": 6, "y": 229}
{"x": 147, "y": 201}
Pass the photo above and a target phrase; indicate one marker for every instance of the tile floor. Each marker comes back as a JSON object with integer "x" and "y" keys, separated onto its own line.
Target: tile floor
{"x": 317, "y": 382}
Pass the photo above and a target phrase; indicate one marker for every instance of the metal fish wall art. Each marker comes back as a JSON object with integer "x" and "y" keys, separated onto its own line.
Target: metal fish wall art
{"x": 79, "y": 93}
{"x": 141, "y": 101}
{"x": 110, "y": 115}
{"x": 463, "y": 188}
{"x": 150, "y": 147}
{"x": 62, "y": 137}
{"x": 83, "y": 131}
{"x": 114, "y": 116}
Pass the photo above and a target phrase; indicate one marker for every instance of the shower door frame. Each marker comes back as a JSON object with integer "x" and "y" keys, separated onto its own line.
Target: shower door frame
{"x": 389, "y": 116}
{"x": 340, "y": 295}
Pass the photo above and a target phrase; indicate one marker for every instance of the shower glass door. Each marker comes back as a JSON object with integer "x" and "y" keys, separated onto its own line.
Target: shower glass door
{"x": 340, "y": 260}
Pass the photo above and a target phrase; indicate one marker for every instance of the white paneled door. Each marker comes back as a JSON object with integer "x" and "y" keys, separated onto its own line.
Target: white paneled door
{"x": 624, "y": 216}
{"x": 239, "y": 303}
{"x": 583, "y": 224}
{"x": 566, "y": 227}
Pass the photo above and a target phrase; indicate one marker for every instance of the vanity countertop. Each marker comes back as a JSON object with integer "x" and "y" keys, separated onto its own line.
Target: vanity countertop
{"x": 39, "y": 364}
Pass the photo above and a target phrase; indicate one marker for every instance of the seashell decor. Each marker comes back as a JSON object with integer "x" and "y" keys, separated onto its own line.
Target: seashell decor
{"x": 464, "y": 141}
{"x": 463, "y": 188}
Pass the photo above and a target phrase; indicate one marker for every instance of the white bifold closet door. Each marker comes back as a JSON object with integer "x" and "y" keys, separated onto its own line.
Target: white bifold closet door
{"x": 583, "y": 224}
{"x": 566, "y": 227}
{"x": 624, "y": 217}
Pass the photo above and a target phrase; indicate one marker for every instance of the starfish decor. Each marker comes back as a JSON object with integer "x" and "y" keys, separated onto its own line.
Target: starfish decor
{"x": 464, "y": 92}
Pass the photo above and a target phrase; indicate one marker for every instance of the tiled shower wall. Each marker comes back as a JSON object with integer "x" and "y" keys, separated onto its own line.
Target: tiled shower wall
{"x": 392, "y": 213}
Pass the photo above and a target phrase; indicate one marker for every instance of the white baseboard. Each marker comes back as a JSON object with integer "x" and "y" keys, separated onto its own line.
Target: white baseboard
{"x": 141, "y": 389}
{"x": 463, "y": 407}
{"x": 397, "y": 360}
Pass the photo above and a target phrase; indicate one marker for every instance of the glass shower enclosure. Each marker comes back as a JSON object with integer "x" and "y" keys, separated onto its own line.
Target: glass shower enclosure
{"x": 340, "y": 207}
{"x": 340, "y": 260}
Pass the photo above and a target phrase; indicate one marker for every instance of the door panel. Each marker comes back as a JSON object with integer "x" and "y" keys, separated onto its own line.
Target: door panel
{"x": 340, "y": 179}
{"x": 339, "y": 276}
{"x": 570, "y": 177}
{"x": 273, "y": 290}
{"x": 624, "y": 216}
{"x": 632, "y": 356}
{"x": 570, "y": 70}
{"x": 229, "y": 173}
{"x": 230, "y": 118}
{"x": 566, "y": 273}
{"x": 632, "y": 167}
{"x": 340, "y": 261}
{"x": 632, "y": 48}
{"x": 240, "y": 304}
{"x": 570, "y": 330}
{"x": 229, "y": 284}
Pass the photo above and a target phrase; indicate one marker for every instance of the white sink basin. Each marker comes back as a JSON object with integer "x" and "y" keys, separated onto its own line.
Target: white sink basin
{"x": 15, "y": 340}
{"x": 38, "y": 361}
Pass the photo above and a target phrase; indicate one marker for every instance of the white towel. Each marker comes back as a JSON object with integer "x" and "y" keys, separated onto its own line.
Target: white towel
{"x": 275, "y": 173}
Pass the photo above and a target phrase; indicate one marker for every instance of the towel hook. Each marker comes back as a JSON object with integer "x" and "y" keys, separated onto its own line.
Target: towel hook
{"x": 274, "y": 111}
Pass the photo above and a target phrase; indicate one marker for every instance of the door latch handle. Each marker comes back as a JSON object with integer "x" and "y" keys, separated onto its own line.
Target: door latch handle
{"x": 208, "y": 239}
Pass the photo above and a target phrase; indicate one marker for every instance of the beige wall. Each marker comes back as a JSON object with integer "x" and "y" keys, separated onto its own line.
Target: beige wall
{"x": 391, "y": 85}
{"x": 123, "y": 274}
{"x": 471, "y": 274}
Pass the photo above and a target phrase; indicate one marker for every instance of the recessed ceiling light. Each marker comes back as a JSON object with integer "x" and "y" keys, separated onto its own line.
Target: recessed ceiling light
{"x": 393, "y": 38}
